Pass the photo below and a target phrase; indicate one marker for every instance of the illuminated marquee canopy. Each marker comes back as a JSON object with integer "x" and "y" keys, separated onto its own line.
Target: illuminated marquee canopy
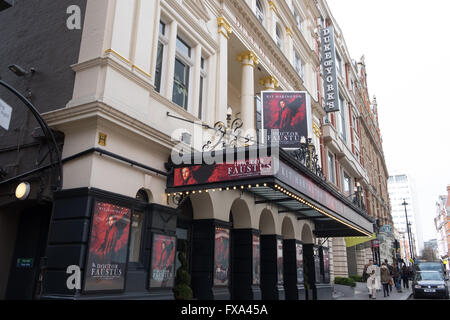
{"x": 275, "y": 179}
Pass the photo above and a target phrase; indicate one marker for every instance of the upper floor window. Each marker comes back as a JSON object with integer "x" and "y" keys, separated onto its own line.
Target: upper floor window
{"x": 331, "y": 173}
{"x": 338, "y": 64}
{"x": 298, "y": 19}
{"x": 298, "y": 65}
{"x": 202, "y": 93}
{"x": 162, "y": 42}
{"x": 182, "y": 74}
{"x": 346, "y": 184}
{"x": 342, "y": 107}
{"x": 279, "y": 37}
{"x": 259, "y": 11}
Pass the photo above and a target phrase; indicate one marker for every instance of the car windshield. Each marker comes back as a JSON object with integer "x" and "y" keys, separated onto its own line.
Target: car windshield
{"x": 428, "y": 276}
{"x": 429, "y": 266}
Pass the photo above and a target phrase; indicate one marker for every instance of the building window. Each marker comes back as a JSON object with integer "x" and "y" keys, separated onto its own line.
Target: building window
{"x": 160, "y": 55}
{"x": 331, "y": 172}
{"x": 298, "y": 65}
{"x": 182, "y": 74}
{"x": 258, "y": 112}
{"x": 202, "y": 93}
{"x": 338, "y": 64}
{"x": 346, "y": 184}
{"x": 137, "y": 226}
{"x": 259, "y": 12}
{"x": 342, "y": 111}
{"x": 298, "y": 19}
{"x": 279, "y": 37}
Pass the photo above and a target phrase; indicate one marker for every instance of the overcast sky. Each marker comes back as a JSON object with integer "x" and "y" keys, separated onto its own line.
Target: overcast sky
{"x": 407, "y": 51}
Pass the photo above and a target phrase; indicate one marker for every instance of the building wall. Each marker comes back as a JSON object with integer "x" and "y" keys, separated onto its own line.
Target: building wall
{"x": 114, "y": 91}
{"x": 399, "y": 190}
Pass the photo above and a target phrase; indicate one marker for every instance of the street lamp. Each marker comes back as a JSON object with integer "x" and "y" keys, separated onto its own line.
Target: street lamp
{"x": 407, "y": 229}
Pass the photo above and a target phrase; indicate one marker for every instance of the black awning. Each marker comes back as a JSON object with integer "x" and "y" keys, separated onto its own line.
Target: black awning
{"x": 279, "y": 180}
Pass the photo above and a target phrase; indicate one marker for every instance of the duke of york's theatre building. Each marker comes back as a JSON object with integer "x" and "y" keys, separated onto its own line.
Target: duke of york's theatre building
{"x": 150, "y": 76}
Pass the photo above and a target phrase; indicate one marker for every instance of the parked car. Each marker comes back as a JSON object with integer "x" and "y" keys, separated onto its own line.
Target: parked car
{"x": 430, "y": 284}
{"x": 432, "y": 266}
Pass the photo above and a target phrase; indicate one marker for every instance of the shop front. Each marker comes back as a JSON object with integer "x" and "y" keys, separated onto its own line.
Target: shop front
{"x": 248, "y": 229}
{"x": 255, "y": 221}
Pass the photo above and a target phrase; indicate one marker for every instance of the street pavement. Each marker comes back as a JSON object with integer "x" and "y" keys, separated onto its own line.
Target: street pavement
{"x": 362, "y": 293}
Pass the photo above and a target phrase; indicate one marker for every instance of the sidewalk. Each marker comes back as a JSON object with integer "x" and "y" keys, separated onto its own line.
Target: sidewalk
{"x": 361, "y": 293}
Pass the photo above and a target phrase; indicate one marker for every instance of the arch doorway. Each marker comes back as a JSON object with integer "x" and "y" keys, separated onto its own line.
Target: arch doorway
{"x": 184, "y": 232}
{"x": 240, "y": 251}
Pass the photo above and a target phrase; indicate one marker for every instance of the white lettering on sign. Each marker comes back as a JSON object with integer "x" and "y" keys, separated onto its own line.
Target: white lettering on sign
{"x": 329, "y": 68}
{"x": 5, "y": 115}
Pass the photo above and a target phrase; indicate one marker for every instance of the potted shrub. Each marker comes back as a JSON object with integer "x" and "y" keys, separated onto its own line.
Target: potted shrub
{"x": 182, "y": 289}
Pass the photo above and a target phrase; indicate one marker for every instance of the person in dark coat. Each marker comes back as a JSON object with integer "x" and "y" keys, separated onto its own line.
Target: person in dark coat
{"x": 396, "y": 276}
{"x": 390, "y": 272}
{"x": 385, "y": 278}
{"x": 405, "y": 276}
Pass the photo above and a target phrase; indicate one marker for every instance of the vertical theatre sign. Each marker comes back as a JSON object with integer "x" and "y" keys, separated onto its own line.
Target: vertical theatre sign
{"x": 330, "y": 82}
{"x": 108, "y": 248}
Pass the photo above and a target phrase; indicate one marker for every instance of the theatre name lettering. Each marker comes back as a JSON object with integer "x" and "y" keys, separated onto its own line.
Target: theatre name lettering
{"x": 329, "y": 70}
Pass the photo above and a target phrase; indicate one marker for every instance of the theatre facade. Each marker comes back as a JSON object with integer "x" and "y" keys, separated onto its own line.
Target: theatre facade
{"x": 140, "y": 191}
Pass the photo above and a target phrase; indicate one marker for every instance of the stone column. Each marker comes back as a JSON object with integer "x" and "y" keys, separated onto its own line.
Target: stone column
{"x": 269, "y": 83}
{"x": 245, "y": 275}
{"x": 360, "y": 259}
{"x": 271, "y": 270}
{"x": 248, "y": 60}
{"x": 340, "y": 258}
{"x": 224, "y": 30}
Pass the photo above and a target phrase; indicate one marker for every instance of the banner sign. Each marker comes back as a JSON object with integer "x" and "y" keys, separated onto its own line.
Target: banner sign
{"x": 375, "y": 243}
{"x": 326, "y": 265}
{"x": 387, "y": 229}
{"x": 221, "y": 257}
{"x": 317, "y": 265}
{"x": 108, "y": 248}
{"x": 256, "y": 260}
{"x": 290, "y": 113}
{"x": 299, "y": 256}
{"x": 311, "y": 189}
{"x": 330, "y": 81}
{"x": 163, "y": 261}
{"x": 240, "y": 169}
{"x": 280, "y": 261}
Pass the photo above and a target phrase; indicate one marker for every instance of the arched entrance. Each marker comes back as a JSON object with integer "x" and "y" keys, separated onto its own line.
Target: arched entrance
{"x": 307, "y": 236}
{"x": 184, "y": 232}
{"x": 271, "y": 258}
{"x": 242, "y": 283}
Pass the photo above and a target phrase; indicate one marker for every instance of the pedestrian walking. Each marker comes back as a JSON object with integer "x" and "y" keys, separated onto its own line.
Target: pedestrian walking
{"x": 364, "y": 275}
{"x": 371, "y": 280}
{"x": 405, "y": 276}
{"x": 396, "y": 276}
{"x": 377, "y": 277}
{"x": 385, "y": 278}
{"x": 390, "y": 272}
